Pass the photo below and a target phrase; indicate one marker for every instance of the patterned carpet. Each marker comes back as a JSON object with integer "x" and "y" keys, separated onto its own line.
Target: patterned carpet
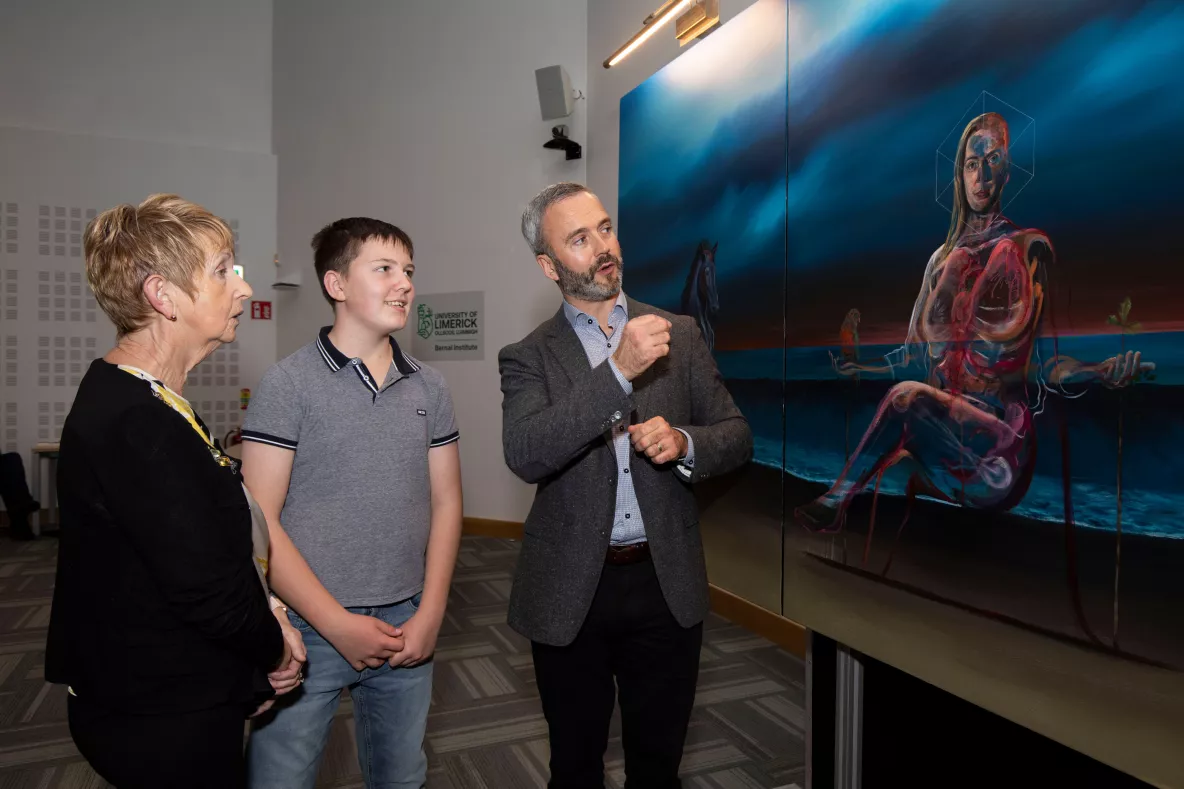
{"x": 486, "y": 729}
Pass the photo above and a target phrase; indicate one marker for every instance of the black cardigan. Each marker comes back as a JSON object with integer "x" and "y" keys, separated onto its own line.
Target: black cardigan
{"x": 157, "y": 606}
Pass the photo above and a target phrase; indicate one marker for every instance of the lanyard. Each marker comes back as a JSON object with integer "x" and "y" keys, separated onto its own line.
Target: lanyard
{"x": 182, "y": 407}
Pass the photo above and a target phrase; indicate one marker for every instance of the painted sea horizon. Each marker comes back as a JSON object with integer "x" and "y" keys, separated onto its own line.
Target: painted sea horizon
{"x": 813, "y": 363}
{"x": 825, "y": 415}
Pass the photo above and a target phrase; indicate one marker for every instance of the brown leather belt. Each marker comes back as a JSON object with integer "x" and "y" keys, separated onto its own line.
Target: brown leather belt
{"x": 627, "y": 554}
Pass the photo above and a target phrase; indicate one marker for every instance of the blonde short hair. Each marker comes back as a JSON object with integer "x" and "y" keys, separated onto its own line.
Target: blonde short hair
{"x": 163, "y": 235}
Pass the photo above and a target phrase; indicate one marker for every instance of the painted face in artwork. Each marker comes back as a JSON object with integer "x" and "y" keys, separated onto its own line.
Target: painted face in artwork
{"x": 986, "y": 169}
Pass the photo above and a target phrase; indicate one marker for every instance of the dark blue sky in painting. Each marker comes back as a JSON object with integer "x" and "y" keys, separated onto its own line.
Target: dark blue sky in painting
{"x": 703, "y": 157}
{"x": 873, "y": 90}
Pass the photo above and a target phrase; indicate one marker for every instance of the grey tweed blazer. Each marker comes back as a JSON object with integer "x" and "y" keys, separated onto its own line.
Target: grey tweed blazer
{"x": 555, "y": 411}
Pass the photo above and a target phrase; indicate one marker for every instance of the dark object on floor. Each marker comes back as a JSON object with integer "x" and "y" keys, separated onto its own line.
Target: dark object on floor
{"x": 14, "y": 492}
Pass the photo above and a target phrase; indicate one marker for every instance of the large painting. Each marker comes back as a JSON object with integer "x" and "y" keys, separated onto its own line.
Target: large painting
{"x": 934, "y": 248}
{"x": 702, "y": 228}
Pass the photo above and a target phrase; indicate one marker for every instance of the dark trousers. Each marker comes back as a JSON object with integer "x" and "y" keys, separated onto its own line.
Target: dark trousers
{"x": 193, "y": 750}
{"x": 14, "y": 492}
{"x": 629, "y": 635}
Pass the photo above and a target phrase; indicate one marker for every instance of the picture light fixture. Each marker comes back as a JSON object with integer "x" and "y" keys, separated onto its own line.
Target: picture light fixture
{"x": 697, "y": 17}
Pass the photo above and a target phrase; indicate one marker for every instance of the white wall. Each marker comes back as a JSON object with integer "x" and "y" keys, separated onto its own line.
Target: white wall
{"x": 108, "y": 102}
{"x": 610, "y": 24}
{"x": 49, "y": 321}
{"x": 426, "y": 115}
{"x": 191, "y": 73}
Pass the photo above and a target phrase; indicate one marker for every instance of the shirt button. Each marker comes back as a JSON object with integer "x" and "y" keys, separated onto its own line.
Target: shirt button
{"x": 626, "y": 516}
{"x": 626, "y": 471}
{"x": 589, "y": 321}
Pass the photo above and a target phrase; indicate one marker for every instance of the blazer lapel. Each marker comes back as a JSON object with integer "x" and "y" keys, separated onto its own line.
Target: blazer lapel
{"x": 642, "y": 383}
{"x": 563, "y": 341}
{"x": 566, "y": 345}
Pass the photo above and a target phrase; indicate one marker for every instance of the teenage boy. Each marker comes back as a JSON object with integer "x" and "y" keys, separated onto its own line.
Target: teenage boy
{"x": 350, "y": 450}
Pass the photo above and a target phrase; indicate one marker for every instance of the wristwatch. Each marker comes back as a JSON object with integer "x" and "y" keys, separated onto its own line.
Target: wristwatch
{"x": 275, "y": 603}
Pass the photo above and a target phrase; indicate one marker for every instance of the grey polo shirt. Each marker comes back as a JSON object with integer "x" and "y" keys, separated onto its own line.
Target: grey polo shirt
{"x": 359, "y": 502}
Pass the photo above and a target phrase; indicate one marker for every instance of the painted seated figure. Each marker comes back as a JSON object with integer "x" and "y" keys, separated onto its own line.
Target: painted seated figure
{"x": 965, "y": 431}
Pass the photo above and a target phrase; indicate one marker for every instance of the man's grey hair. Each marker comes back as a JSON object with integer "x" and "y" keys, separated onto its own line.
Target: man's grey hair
{"x": 532, "y": 217}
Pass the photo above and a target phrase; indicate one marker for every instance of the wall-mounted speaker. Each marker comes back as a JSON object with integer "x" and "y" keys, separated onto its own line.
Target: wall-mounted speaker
{"x": 555, "y": 95}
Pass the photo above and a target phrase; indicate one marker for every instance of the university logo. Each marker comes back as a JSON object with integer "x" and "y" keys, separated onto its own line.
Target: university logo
{"x": 425, "y": 321}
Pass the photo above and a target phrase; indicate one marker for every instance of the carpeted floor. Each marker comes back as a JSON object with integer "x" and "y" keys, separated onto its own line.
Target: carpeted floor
{"x": 486, "y": 729}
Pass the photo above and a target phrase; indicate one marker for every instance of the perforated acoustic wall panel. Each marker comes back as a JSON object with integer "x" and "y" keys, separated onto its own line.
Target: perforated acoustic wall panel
{"x": 52, "y": 329}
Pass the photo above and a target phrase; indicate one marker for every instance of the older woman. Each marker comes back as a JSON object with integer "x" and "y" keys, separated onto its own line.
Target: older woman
{"x": 161, "y": 626}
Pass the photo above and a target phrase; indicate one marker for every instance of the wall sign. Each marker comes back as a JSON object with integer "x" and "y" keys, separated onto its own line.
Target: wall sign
{"x": 448, "y": 326}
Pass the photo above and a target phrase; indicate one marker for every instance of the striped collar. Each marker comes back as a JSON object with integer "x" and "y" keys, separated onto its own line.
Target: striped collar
{"x": 337, "y": 360}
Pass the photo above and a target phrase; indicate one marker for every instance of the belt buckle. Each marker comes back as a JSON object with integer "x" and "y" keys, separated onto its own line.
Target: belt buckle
{"x": 626, "y": 554}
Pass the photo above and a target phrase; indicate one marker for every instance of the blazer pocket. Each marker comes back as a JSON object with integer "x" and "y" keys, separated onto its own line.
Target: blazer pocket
{"x": 689, "y": 520}
{"x": 539, "y": 529}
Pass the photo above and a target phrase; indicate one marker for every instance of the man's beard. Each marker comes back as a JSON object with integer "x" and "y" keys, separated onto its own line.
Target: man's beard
{"x": 584, "y": 286}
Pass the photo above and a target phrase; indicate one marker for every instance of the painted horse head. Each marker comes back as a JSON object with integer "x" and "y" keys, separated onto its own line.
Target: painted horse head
{"x": 707, "y": 277}
{"x": 700, "y": 298}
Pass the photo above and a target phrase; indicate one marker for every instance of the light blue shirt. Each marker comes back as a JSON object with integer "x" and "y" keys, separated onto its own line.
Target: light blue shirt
{"x": 627, "y": 523}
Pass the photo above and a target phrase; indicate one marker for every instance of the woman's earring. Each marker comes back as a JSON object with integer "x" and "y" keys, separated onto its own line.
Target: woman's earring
{"x": 173, "y": 317}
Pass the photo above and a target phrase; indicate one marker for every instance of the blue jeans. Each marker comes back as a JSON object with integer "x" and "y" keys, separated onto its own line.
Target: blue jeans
{"x": 390, "y": 710}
